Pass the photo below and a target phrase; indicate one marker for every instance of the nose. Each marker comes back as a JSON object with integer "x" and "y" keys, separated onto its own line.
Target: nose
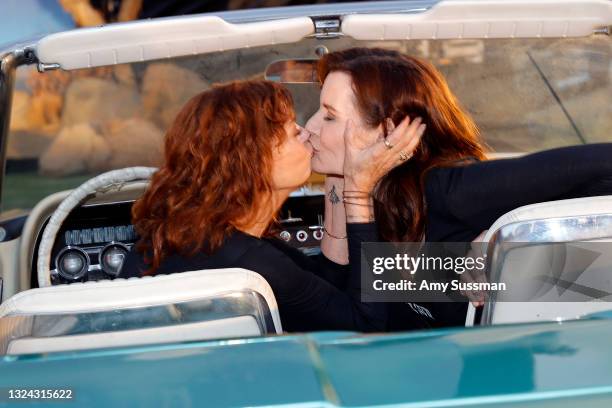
{"x": 314, "y": 123}
{"x": 304, "y": 134}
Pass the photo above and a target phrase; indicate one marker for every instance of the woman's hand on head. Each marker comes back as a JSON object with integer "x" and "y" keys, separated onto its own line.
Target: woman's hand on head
{"x": 368, "y": 157}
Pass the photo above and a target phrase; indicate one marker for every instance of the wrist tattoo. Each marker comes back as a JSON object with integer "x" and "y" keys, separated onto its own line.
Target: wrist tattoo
{"x": 333, "y": 196}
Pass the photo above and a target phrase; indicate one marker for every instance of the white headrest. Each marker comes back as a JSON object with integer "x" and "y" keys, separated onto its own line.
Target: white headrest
{"x": 575, "y": 207}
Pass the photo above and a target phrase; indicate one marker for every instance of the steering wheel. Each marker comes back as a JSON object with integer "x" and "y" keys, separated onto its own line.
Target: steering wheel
{"x": 102, "y": 183}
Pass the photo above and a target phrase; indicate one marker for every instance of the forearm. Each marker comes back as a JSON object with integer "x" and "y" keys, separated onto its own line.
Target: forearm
{"x": 334, "y": 244}
{"x": 337, "y": 213}
{"x": 478, "y": 194}
{"x": 358, "y": 203}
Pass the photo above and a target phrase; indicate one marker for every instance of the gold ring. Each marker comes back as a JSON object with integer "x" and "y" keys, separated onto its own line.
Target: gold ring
{"x": 404, "y": 156}
{"x": 389, "y": 145}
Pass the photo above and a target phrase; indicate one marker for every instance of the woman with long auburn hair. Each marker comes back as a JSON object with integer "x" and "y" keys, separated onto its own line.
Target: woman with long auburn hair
{"x": 445, "y": 190}
{"x": 232, "y": 157}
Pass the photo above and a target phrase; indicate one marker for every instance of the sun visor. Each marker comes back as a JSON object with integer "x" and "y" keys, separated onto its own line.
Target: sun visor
{"x": 455, "y": 19}
{"x": 164, "y": 38}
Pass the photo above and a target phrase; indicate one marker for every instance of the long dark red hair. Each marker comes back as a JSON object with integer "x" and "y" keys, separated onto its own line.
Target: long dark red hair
{"x": 217, "y": 169}
{"x": 388, "y": 84}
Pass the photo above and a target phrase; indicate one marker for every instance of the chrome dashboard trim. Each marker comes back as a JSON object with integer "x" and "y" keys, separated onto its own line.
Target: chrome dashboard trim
{"x": 83, "y": 271}
{"x": 91, "y": 267}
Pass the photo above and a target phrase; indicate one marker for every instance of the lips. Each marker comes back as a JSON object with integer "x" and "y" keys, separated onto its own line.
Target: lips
{"x": 303, "y": 136}
{"x": 311, "y": 148}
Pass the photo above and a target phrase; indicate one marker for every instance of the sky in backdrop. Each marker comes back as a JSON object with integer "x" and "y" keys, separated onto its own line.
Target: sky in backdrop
{"x": 27, "y": 19}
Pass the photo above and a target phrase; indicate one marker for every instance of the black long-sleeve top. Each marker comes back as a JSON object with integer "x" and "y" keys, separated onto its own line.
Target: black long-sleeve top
{"x": 312, "y": 293}
{"x": 464, "y": 200}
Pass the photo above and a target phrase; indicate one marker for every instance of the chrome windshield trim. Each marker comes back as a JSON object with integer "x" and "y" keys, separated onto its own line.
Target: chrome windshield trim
{"x": 326, "y": 10}
{"x": 8, "y": 66}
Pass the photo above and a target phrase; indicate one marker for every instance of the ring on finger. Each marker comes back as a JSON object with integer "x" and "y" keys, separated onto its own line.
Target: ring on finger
{"x": 389, "y": 145}
{"x": 404, "y": 156}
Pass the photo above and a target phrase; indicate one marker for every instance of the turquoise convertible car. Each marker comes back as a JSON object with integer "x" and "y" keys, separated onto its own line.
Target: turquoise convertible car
{"x": 83, "y": 114}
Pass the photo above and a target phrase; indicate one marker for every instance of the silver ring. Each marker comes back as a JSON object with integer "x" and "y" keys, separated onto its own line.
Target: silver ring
{"x": 404, "y": 156}
{"x": 389, "y": 145}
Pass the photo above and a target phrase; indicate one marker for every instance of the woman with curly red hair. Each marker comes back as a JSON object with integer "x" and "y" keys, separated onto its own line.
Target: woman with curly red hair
{"x": 232, "y": 156}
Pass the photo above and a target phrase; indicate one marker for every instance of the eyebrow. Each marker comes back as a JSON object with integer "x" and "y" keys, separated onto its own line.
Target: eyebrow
{"x": 329, "y": 107}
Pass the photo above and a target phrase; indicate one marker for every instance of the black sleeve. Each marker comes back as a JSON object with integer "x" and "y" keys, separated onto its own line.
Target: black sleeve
{"x": 479, "y": 193}
{"x": 320, "y": 265}
{"x": 308, "y": 302}
{"x": 334, "y": 273}
{"x": 133, "y": 266}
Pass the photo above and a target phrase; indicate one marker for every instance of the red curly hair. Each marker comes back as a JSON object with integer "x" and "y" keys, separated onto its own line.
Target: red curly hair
{"x": 217, "y": 169}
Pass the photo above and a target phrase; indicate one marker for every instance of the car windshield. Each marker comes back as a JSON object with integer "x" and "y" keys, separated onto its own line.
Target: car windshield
{"x": 526, "y": 95}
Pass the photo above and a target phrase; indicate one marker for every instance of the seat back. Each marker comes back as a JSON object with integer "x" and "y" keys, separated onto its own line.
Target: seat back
{"x": 198, "y": 305}
{"x": 555, "y": 258}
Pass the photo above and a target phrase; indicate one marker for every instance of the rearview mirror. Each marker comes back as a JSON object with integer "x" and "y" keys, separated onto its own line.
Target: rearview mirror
{"x": 297, "y": 71}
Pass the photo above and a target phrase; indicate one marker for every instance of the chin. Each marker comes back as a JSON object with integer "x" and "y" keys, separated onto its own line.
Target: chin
{"x": 307, "y": 175}
{"x": 317, "y": 166}
{"x": 321, "y": 168}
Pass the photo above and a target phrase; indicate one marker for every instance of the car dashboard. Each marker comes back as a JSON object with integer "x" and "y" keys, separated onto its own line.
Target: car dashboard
{"x": 94, "y": 239}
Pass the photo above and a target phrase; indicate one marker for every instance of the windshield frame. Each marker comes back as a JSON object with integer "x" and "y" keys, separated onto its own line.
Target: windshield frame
{"x": 20, "y": 55}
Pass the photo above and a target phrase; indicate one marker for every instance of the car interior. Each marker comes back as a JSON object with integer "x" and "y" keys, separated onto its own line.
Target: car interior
{"x": 59, "y": 261}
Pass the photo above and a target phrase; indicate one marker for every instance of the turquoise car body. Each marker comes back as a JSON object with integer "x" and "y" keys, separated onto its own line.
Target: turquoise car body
{"x": 566, "y": 364}
{"x": 548, "y": 364}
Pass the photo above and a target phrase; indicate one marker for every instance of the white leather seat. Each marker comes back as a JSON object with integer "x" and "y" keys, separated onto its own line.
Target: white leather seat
{"x": 198, "y": 305}
{"x": 542, "y": 229}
